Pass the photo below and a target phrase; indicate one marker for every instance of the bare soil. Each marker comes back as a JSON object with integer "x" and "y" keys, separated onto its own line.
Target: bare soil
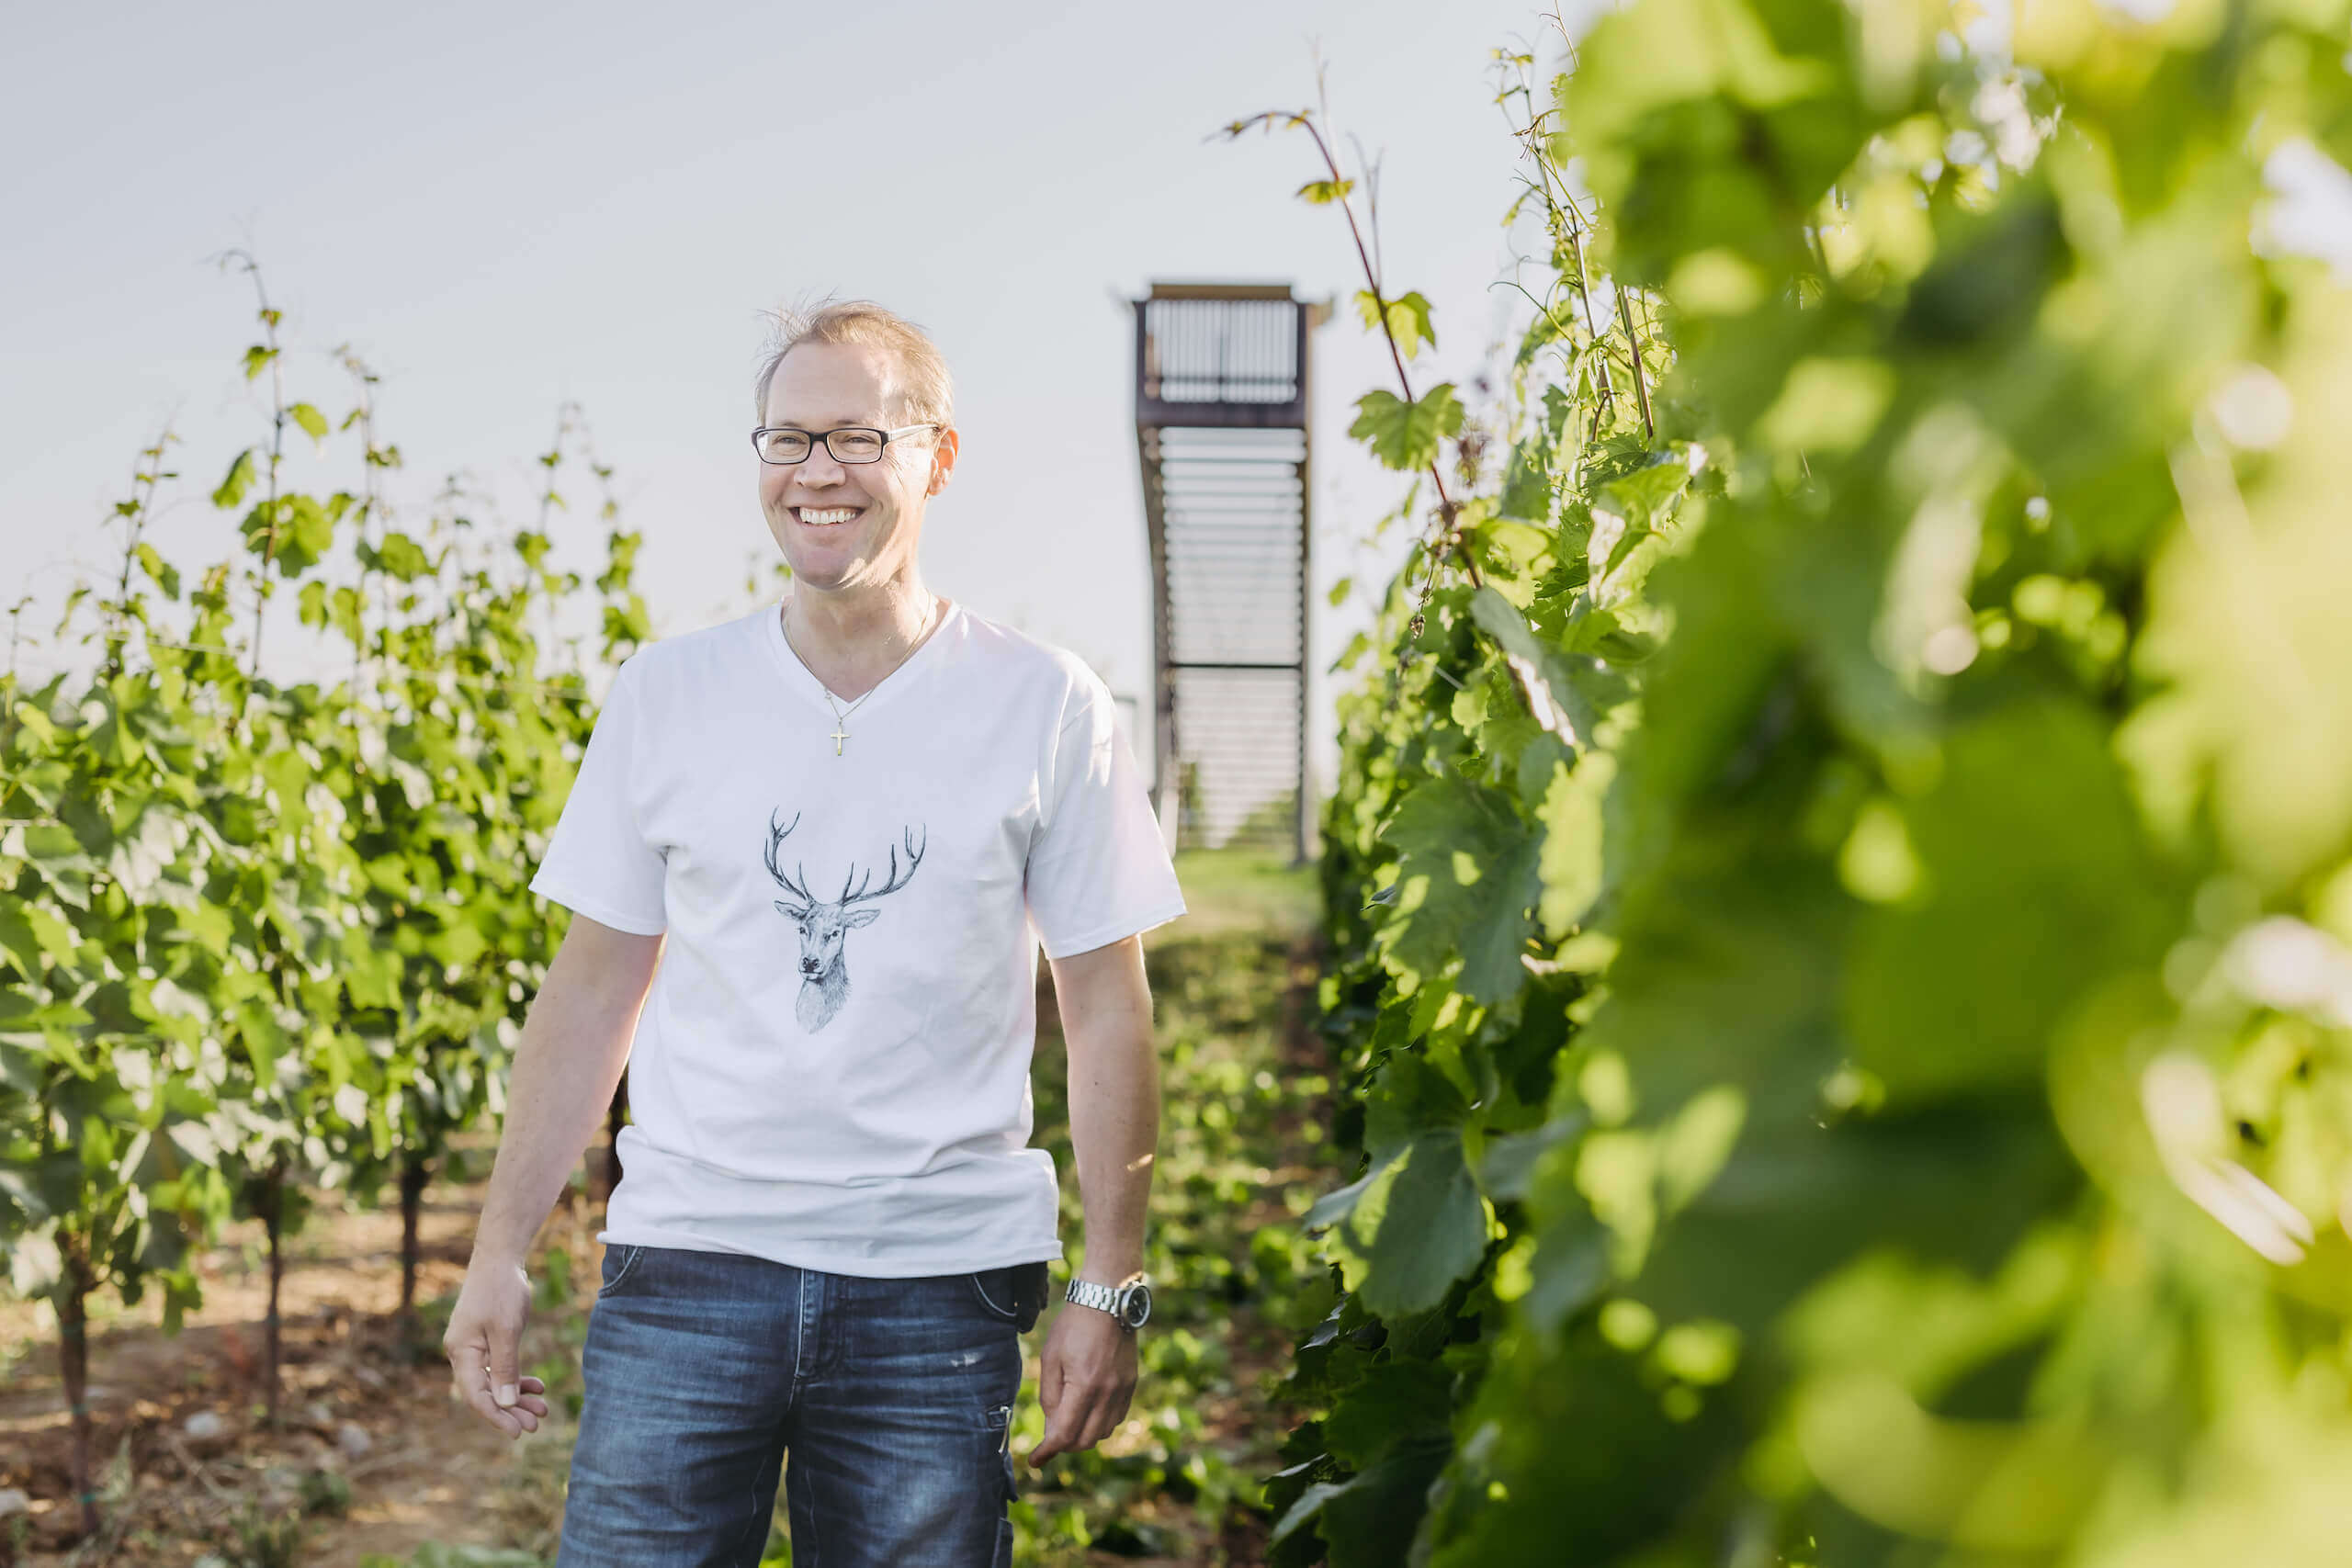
{"x": 426, "y": 1468}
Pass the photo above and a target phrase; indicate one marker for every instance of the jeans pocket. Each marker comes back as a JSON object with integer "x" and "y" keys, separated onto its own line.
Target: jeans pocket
{"x": 619, "y": 1262}
{"x": 994, "y": 1289}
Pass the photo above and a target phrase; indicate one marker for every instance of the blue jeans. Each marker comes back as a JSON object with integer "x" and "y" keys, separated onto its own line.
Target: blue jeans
{"x": 894, "y": 1398}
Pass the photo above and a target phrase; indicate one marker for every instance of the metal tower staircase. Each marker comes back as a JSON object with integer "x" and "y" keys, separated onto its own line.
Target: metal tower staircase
{"x": 1221, "y": 426}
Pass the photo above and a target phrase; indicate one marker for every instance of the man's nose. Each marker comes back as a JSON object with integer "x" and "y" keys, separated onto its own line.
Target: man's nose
{"x": 820, "y": 468}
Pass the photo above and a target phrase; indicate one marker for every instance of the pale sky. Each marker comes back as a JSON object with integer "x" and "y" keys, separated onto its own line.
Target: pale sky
{"x": 503, "y": 207}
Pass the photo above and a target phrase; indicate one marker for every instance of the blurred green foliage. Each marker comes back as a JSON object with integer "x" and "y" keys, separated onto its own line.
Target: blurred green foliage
{"x": 1843, "y": 943}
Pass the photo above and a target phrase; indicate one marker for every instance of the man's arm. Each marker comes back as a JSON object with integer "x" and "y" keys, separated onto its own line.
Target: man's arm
{"x": 1086, "y": 1371}
{"x": 573, "y": 1045}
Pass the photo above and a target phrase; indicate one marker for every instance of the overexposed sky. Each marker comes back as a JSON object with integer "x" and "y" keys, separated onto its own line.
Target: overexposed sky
{"x": 505, "y": 207}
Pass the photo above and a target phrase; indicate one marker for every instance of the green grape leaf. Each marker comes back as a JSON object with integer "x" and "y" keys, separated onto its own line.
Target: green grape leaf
{"x": 1527, "y": 482}
{"x": 236, "y": 482}
{"x": 1419, "y": 1227}
{"x": 1403, "y": 434}
{"x": 1468, "y": 871}
{"x": 2034, "y": 888}
{"x": 160, "y": 572}
{"x": 403, "y": 557}
{"x": 344, "y": 612}
{"x": 21, "y": 940}
{"x": 1574, "y": 864}
{"x": 305, "y": 535}
{"x": 1396, "y": 1402}
{"x": 1406, "y": 319}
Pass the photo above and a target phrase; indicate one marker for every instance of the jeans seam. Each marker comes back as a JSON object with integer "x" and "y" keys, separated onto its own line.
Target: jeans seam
{"x": 800, "y": 1335}
{"x": 815, "y": 1554}
{"x": 803, "y": 1515}
{"x": 754, "y": 1538}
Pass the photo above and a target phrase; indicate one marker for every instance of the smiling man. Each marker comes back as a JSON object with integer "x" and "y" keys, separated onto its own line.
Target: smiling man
{"x": 812, "y": 855}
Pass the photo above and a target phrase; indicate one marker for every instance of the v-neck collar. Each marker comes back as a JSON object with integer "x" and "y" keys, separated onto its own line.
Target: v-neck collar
{"x": 803, "y": 680}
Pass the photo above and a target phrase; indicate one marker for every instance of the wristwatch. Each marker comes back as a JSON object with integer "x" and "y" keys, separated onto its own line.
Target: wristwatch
{"x": 1129, "y": 1301}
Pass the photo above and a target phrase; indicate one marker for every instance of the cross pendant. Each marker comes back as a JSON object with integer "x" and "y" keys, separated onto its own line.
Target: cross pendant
{"x": 839, "y": 736}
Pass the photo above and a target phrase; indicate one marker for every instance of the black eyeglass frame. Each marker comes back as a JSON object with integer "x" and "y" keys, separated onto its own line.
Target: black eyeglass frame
{"x": 885, "y": 436}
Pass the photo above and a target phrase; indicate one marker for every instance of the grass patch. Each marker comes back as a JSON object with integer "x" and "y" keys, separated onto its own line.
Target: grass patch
{"x": 1244, "y": 891}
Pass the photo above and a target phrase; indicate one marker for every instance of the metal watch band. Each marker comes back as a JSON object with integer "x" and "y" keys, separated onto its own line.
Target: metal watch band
{"x": 1105, "y": 1298}
{"x": 1087, "y": 1293}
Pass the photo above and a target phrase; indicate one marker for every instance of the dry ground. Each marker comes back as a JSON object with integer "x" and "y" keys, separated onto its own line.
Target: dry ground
{"x": 430, "y": 1470}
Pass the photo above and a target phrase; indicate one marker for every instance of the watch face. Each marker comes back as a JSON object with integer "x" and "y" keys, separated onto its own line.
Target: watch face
{"x": 1137, "y": 1305}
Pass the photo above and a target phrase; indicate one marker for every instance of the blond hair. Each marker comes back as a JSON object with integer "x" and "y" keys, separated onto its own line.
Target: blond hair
{"x": 925, "y": 393}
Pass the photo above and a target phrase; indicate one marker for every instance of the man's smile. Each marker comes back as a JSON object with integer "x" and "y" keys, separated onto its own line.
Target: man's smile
{"x": 825, "y": 517}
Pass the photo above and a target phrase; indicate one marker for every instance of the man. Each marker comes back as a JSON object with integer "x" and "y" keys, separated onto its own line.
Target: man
{"x": 818, "y": 848}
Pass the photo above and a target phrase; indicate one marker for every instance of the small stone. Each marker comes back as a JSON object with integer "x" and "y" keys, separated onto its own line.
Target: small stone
{"x": 205, "y": 1425}
{"x": 14, "y": 1502}
{"x": 280, "y": 1485}
{"x": 353, "y": 1438}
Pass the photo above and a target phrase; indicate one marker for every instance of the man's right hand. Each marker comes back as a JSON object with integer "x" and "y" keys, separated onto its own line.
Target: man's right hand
{"x": 573, "y": 1047}
{"x": 484, "y": 1342}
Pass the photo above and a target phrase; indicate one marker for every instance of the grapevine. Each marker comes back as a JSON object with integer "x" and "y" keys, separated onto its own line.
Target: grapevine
{"x": 1840, "y": 941}
{"x": 264, "y": 938}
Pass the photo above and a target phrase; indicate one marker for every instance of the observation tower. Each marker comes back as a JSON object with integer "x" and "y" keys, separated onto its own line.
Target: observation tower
{"x": 1221, "y": 427}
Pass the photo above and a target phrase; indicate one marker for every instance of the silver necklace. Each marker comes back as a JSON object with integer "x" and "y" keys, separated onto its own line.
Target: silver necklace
{"x": 841, "y": 714}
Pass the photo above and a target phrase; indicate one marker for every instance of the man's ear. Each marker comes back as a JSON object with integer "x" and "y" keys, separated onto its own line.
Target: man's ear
{"x": 943, "y": 460}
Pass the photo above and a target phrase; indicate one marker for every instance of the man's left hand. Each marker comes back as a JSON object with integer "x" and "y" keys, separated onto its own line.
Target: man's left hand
{"x": 1086, "y": 1376}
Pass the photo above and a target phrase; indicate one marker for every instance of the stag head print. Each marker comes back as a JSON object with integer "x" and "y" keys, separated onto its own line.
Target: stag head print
{"x": 824, "y": 981}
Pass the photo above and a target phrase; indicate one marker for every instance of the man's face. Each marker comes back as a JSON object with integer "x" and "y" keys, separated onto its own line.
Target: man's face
{"x": 843, "y": 525}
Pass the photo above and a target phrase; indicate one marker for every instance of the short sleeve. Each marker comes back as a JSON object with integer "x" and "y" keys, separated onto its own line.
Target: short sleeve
{"x": 1098, "y": 867}
{"x": 598, "y": 863}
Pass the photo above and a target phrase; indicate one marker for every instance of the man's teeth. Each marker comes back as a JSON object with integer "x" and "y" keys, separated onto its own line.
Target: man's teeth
{"x": 831, "y": 514}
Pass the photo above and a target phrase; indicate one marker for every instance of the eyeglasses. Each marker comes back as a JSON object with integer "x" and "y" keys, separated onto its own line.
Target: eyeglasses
{"x": 851, "y": 444}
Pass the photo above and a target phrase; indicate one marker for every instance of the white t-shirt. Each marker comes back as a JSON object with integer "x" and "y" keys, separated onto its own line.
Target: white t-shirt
{"x": 832, "y": 1068}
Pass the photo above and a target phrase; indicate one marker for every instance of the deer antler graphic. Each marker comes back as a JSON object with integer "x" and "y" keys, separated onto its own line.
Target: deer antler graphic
{"x": 895, "y": 882}
{"x": 777, "y": 837}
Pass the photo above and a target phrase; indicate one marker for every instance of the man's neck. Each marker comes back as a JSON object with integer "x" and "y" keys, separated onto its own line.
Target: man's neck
{"x": 852, "y": 639}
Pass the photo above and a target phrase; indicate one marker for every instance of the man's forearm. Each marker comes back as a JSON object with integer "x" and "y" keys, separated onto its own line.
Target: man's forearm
{"x": 573, "y": 1045}
{"x": 1114, "y": 1125}
{"x": 1113, "y": 1104}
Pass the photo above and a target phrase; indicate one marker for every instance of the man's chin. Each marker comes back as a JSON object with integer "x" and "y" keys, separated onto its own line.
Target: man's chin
{"x": 821, "y": 569}
{"x": 825, "y": 578}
